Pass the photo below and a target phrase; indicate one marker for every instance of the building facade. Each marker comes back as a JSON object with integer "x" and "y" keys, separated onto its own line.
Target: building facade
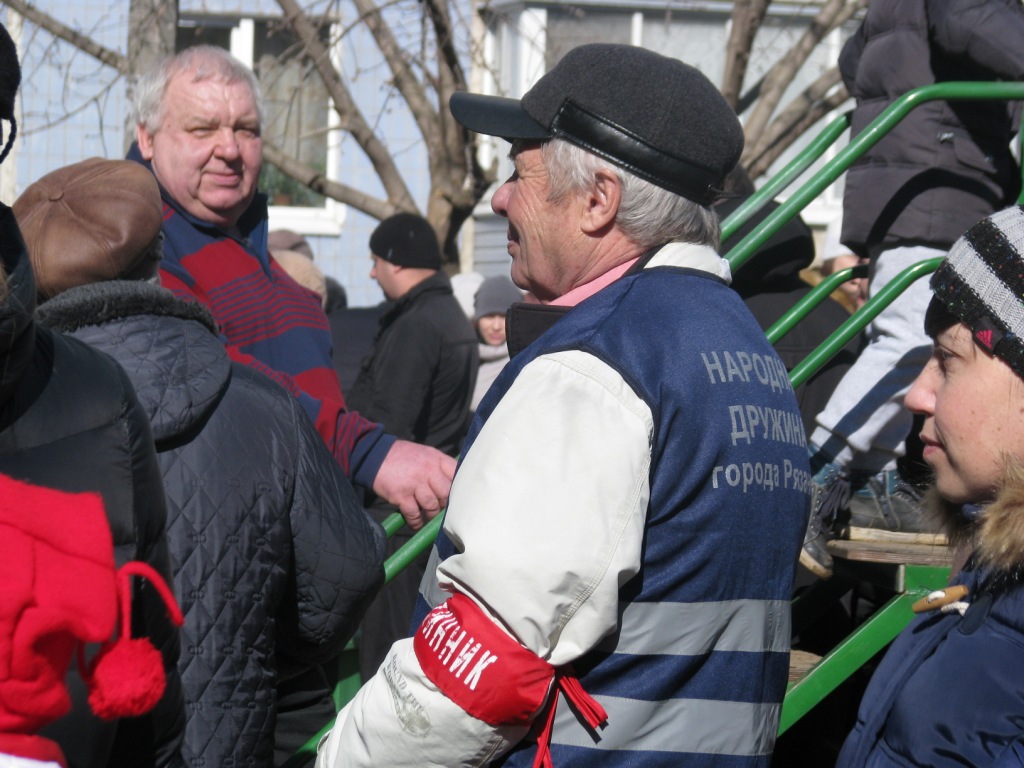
{"x": 72, "y": 107}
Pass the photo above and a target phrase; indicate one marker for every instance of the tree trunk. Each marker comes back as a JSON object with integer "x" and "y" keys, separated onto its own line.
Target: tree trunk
{"x": 152, "y": 26}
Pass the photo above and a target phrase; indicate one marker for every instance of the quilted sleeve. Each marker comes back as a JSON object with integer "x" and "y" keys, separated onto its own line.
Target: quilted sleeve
{"x": 153, "y": 740}
{"x": 338, "y": 554}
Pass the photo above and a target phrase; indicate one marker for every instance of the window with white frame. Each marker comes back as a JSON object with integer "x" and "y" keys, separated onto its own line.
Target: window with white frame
{"x": 299, "y": 117}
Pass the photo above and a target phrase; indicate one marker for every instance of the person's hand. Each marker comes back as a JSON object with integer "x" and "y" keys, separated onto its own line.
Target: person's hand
{"x": 416, "y": 479}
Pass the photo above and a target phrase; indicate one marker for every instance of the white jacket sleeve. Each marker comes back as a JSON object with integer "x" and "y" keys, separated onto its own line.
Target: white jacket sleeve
{"x": 547, "y": 512}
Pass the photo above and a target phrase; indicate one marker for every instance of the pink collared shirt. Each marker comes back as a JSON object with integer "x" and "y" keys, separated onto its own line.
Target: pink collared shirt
{"x": 585, "y": 291}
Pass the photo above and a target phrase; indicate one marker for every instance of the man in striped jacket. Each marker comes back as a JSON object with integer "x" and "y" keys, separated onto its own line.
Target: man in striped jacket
{"x": 200, "y": 116}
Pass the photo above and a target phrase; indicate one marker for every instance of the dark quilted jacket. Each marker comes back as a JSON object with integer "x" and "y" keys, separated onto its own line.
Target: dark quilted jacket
{"x": 70, "y": 420}
{"x": 946, "y": 165}
{"x": 271, "y": 550}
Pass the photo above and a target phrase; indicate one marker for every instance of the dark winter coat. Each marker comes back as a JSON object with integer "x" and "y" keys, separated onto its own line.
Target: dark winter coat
{"x": 950, "y": 690}
{"x": 946, "y": 165}
{"x": 271, "y": 549}
{"x": 418, "y": 380}
{"x": 70, "y": 420}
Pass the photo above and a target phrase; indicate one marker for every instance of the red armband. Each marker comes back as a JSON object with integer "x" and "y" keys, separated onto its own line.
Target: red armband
{"x": 480, "y": 667}
{"x": 491, "y": 676}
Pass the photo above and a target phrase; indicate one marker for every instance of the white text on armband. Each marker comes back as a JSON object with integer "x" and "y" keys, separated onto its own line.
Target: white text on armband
{"x": 446, "y": 637}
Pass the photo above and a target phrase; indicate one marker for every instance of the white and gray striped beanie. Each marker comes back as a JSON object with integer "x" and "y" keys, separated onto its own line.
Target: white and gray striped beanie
{"x": 981, "y": 284}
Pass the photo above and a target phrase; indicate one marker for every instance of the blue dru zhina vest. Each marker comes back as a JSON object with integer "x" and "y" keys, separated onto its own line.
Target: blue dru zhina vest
{"x": 697, "y": 671}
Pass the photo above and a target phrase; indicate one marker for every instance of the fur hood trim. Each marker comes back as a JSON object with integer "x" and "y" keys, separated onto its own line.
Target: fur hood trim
{"x": 99, "y": 303}
{"x": 996, "y": 532}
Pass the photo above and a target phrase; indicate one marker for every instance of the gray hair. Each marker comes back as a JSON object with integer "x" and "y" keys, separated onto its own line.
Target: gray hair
{"x": 648, "y": 215}
{"x": 205, "y": 62}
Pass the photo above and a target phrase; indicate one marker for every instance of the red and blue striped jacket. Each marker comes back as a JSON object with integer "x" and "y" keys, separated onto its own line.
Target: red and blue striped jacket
{"x": 269, "y": 322}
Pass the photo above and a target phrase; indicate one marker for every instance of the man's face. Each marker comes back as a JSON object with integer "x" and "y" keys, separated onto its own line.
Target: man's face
{"x": 543, "y": 237}
{"x": 386, "y": 275}
{"x": 208, "y": 152}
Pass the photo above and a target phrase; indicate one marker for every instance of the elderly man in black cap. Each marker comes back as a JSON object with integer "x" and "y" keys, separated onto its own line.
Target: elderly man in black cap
{"x": 417, "y": 381}
{"x": 625, "y": 522}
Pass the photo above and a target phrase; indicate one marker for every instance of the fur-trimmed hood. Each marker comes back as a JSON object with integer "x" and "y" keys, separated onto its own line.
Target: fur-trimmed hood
{"x": 996, "y": 531}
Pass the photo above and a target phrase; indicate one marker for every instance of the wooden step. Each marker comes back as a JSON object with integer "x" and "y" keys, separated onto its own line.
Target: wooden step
{"x": 891, "y": 552}
{"x": 800, "y": 663}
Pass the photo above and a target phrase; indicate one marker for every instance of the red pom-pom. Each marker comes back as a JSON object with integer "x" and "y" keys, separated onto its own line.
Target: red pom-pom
{"x": 127, "y": 679}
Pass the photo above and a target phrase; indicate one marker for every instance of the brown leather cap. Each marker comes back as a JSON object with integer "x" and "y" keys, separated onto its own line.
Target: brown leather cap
{"x": 92, "y": 221}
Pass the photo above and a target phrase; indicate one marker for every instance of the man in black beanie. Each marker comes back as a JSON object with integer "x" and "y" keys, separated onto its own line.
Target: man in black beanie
{"x": 625, "y": 521}
{"x": 417, "y": 381}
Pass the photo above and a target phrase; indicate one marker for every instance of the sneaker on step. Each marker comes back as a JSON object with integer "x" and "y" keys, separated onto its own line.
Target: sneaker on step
{"x": 830, "y": 498}
{"x": 884, "y": 507}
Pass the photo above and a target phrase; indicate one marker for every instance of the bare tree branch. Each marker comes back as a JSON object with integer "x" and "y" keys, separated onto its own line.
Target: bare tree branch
{"x": 747, "y": 16}
{"x": 760, "y": 165}
{"x": 57, "y": 29}
{"x": 782, "y": 126}
{"x": 352, "y": 119}
{"x": 444, "y": 34}
{"x": 316, "y": 181}
{"x": 832, "y": 14}
{"x": 423, "y": 111}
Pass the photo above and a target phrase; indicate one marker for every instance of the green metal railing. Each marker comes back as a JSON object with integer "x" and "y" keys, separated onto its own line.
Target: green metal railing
{"x": 856, "y": 322}
{"x": 958, "y": 91}
{"x": 869, "y": 639}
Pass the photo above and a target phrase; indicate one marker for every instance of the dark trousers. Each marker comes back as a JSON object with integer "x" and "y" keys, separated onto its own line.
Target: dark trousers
{"x": 304, "y": 706}
{"x": 389, "y": 615}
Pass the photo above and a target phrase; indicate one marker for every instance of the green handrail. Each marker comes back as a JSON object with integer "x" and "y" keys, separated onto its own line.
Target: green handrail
{"x": 785, "y": 177}
{"x": 393, "y": 524}
{"x": 409, "y": 551}
{"x": 856, "y": 323}
{"x": 815, "y": 296}
{"x": 858, "y": 145}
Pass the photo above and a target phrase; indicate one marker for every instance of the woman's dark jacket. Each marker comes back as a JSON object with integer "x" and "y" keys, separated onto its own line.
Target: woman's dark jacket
{"x": 950, "y": 690}
{"x": 272, "y": 552}
{"x": 69, "y": 419}
{"x": 947, "y": 164}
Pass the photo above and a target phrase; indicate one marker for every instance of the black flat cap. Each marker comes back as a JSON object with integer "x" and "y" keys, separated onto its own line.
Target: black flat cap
{"x": 656, "y": 117}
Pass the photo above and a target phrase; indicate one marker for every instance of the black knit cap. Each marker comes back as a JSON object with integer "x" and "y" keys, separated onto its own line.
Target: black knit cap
{"x": 406, "y": 240}
{"x": 980, "y": 283}
{"x": 658, "y": 118}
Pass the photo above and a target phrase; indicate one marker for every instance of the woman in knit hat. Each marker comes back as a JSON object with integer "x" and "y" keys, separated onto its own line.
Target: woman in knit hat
{"x": 493, "y": 298}
{"x": 950, "y": 691}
